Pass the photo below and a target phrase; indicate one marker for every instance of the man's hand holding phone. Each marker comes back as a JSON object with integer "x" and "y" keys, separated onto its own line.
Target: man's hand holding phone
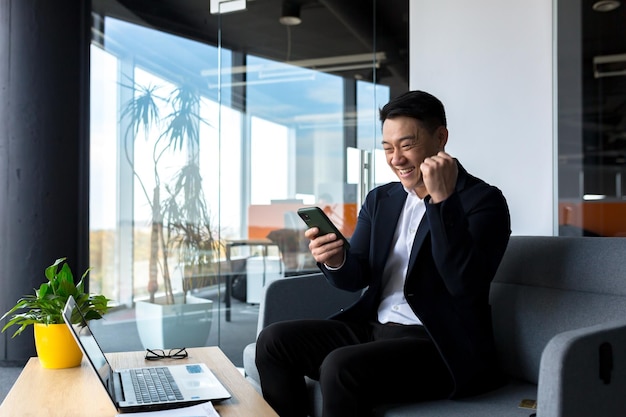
{"x": 326, "y": 249}
{"x": 327, "y": 244}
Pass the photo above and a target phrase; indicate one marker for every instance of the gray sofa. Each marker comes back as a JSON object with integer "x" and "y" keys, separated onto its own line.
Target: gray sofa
{"x": 559, "y": 312}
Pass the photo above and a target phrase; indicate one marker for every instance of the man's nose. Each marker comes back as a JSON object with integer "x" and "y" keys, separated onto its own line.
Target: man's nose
{"x": 397, "y": 157}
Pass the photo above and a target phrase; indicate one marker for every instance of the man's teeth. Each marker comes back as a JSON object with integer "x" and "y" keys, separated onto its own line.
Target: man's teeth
{"x": 405, "y": 171}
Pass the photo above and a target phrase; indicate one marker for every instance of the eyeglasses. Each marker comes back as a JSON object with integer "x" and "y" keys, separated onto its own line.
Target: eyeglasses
{"x": 156, "y": 354}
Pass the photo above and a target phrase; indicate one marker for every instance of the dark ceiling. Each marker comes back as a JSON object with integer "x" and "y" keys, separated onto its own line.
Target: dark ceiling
{"x": 329, "y": 28}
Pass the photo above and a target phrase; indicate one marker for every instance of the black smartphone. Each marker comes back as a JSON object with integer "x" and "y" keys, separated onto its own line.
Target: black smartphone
{"x": 315, "y": 217}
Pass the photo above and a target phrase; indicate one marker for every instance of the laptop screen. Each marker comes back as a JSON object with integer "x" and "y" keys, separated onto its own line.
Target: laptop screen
{"x": 75, "y": 319}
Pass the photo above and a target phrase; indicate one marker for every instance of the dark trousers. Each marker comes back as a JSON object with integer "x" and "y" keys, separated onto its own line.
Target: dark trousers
{"x": 358, "y": 365}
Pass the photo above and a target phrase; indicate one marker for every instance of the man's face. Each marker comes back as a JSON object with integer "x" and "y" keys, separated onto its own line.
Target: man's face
{"x": 406, "y": 144}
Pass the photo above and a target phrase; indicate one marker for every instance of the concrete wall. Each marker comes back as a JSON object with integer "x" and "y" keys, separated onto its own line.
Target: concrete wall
{"x": 44, "y": 149}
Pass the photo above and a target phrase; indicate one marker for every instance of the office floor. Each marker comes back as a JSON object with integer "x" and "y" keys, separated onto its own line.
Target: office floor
{"x": 7, "y": 378}
{"x": 120, "y": 334}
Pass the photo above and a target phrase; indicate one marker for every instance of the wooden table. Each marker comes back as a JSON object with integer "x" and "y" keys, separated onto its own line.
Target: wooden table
{"x": 77, "y": 391}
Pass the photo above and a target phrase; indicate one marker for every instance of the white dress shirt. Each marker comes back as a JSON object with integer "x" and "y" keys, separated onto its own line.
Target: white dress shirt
{"x": 393, "y": 306}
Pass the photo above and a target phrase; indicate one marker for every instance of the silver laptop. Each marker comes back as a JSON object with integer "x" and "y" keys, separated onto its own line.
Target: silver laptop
{"x": 164, "y": 387}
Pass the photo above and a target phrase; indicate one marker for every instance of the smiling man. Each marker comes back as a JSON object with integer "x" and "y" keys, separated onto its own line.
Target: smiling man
{"x": 425, "y": 249}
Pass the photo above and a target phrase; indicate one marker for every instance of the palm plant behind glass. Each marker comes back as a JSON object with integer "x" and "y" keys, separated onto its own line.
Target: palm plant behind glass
{"x": 181, "y": 221}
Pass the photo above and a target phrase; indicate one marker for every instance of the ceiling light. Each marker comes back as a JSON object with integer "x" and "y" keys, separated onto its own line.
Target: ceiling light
{"x": 606, "y": 5}
{"x": 594, "y": 197}
{"x": 291, "y": 14}
{"x": 609, "y": 65}
{"x": 227, "y": 6}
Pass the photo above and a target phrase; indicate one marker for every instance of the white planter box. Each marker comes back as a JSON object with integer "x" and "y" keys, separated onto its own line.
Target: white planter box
{"x": 167, "y": 326}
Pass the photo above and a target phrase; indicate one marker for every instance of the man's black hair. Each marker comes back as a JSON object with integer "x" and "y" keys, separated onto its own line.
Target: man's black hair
{"x": 418, "y": 105}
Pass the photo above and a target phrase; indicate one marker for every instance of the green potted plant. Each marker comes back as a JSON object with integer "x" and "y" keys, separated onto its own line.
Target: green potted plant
{"x": 55, "y": 345}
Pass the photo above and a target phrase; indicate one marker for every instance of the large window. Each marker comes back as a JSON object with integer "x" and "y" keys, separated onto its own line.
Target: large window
{"x": 201, "y": 155}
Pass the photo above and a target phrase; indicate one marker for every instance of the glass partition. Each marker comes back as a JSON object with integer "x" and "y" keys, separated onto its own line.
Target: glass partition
{"x": 591, "y": 101}
{"x": 203, "y": 147}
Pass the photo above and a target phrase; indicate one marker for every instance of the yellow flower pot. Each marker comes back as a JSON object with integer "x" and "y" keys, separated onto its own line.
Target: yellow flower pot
{"x": 56, "y": 348}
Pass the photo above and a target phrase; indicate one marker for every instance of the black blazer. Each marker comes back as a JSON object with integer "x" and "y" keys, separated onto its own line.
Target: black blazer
{"x": 456, "y": 252}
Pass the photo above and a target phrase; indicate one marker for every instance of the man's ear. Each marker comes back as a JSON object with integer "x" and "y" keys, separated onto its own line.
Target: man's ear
{"x": 442, "y": 136}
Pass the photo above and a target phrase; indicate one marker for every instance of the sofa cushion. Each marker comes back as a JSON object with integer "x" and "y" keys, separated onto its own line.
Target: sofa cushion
{"x": 547, "y": 285}
{"x": 316, "y": 298}
{"x": 501, "y": 402}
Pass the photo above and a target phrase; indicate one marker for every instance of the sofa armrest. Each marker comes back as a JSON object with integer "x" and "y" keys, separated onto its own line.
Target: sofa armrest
{"x": 249, "y": 368}
{"x": 583, "y": 373}
{"x": 301, "y": 297}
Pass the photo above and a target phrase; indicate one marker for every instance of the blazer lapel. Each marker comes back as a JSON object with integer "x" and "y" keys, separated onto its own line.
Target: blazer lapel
{"x": 389, "y": 212}
{"x": 422, "y": 231}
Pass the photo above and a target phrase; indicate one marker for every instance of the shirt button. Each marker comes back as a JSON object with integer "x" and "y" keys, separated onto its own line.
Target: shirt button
{"x": 395, "y": 308}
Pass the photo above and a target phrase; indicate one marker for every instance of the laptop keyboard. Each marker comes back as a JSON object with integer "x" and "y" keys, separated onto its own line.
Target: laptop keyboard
{"x": 154, "y": 385}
